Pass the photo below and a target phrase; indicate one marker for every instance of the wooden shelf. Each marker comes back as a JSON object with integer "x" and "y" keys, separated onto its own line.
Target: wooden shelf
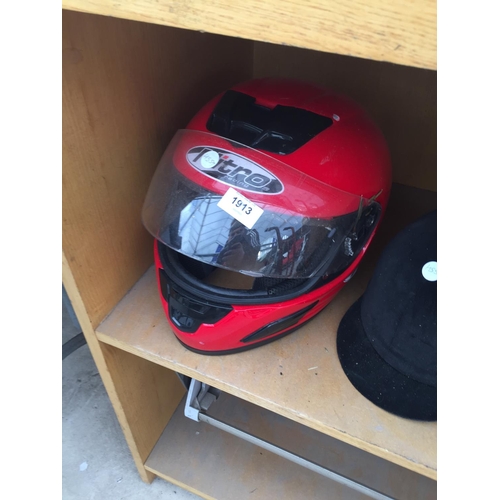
{"x": 196, "y": 454}
{"x": 383, "y": 30}
{"x": 299, "y": 376}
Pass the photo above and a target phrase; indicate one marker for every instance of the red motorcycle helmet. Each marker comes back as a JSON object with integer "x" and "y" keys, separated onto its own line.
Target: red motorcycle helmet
{"x": 262, "y": 209}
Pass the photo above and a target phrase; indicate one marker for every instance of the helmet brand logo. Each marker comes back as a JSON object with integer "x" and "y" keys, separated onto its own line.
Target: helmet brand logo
{"x": 232, "y": 169}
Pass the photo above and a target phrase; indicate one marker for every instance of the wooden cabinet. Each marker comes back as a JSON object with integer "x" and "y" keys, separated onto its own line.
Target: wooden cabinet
{"x": 134, "y": 72}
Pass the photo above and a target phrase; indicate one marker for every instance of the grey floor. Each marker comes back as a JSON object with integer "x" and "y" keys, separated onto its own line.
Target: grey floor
{"x": 96, "y": 461}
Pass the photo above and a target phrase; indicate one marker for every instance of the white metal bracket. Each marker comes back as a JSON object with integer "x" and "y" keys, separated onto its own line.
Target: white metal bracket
{"x": 200, "y": 396}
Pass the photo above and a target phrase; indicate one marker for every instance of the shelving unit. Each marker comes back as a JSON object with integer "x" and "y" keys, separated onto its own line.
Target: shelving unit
{"x": 135, "y": 72}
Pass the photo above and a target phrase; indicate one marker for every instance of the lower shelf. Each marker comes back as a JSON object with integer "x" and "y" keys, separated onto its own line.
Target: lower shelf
{"x": 214, "y": 464}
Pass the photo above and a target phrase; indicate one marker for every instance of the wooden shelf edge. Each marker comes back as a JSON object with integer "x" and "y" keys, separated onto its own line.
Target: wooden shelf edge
{"x": 182, "y": 485}
{"x": 391, "y": 31}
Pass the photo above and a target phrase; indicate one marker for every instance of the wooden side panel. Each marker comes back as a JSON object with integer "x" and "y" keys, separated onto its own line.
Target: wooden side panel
{"x": 384, "y": 30}
{"x": 133, "y": 433}
{"x": 127, "y": 87}
{"x": 402, "y": 100}
{"x": 149, "y": 395}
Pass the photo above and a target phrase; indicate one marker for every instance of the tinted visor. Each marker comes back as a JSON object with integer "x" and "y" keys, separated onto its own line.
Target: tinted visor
{"x": 201, "y": 215}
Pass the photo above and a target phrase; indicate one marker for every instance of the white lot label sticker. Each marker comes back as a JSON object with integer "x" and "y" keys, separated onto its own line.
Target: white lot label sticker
{"x": 241, "y": 208}
{"x": 430, "y": 271}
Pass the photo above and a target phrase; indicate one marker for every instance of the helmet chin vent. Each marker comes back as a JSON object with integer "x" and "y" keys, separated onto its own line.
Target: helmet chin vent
{"x": 278, "y": 326}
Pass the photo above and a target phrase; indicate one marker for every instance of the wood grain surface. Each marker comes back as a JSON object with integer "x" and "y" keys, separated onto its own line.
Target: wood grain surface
{"x": 396, "y": 31}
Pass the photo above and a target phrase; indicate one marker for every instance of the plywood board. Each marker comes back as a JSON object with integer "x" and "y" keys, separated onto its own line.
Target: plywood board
{"x": 148, "y": 395}
{"x": 132, "y": 432}
{"x": 384, "y": 30}
{"x": 298, "y": 376}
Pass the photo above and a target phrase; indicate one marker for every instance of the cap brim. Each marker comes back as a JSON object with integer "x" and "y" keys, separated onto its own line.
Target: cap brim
{"x": 375, "y": 379}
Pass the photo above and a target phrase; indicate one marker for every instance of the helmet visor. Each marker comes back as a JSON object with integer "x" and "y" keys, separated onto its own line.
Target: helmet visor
{"x": 207, "y": 200}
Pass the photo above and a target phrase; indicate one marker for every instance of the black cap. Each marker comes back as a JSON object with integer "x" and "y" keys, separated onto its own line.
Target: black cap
{"x": 387, "y": 340}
